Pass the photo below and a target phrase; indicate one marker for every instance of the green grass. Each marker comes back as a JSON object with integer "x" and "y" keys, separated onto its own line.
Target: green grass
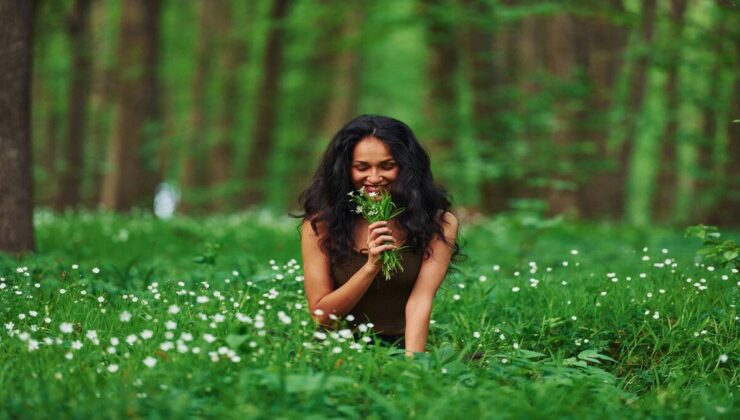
{"x": 605, "y": 332}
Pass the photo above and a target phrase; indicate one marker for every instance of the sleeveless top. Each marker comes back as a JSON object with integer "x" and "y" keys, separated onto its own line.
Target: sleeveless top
{"x": 384, "y": 302}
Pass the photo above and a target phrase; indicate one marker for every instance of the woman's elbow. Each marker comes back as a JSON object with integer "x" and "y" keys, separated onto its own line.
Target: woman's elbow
{"x": 323, "y": 319}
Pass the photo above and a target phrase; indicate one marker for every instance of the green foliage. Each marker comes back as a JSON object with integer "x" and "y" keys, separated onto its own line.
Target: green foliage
{"x": 543, "y": 123}
{"x": 726, "y": 252}
{"x": 584, "y": 335}
{"x": 209, "y": 254}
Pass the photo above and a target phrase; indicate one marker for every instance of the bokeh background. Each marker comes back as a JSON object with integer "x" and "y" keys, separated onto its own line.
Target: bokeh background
{"x": 625, "y": 110}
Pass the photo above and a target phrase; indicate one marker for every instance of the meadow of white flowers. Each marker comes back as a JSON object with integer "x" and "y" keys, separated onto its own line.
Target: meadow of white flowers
{"x": 558, "y": 332}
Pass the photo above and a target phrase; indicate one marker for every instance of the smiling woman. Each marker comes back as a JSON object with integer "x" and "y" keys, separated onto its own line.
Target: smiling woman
{"x": 341, "y": 250}
{"x": 373, "y": 166}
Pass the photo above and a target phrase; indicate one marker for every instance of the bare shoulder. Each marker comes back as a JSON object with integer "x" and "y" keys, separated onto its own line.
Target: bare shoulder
{"x": 308, "y": 232}
{"x": 450, "y": 224}
{"x": 449, "y": 219}
{"x": 306, "y": 229}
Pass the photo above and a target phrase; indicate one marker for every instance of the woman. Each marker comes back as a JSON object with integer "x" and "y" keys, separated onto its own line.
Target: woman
{"x": 341, "y": 251}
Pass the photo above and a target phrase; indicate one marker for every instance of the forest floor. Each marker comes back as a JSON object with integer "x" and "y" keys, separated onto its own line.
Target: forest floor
{"x": 132, "y": 316}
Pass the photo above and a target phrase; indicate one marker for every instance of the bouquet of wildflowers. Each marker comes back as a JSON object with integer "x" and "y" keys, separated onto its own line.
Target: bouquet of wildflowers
{"x": 374, "y": 207}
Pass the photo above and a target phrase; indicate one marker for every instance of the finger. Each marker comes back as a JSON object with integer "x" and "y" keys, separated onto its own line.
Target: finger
{"x": 380, "y": 231}
{"x": 382, "y": 248}
{"x": 385, "y": 238}
{"x": 377, "y": 224}
{"x": 374, "y": 237}
{"x": 382, "y": 240}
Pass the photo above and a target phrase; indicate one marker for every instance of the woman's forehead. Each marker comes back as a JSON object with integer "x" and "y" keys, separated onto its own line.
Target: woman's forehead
{"x": 371, "y": 149}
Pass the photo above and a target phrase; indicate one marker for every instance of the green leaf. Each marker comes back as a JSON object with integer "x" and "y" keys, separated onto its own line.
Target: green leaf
{"x": 396, "y": 213}
{"x": 593, "y": 356}
{"x": 730, "y": 255}
{"x": 529, "y": 354}
{"x": 234, "y": 340}
{"x": 571, "y": 361}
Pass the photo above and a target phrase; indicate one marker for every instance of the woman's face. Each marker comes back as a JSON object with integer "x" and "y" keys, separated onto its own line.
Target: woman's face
{"x": 373, "y": 165}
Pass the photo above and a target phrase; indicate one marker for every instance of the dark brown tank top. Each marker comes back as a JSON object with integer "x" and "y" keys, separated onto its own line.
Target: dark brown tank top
{"x": 384, "y": 302}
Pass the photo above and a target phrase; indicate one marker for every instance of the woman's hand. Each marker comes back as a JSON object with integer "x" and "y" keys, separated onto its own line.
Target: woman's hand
{"x": 379, "y": 239}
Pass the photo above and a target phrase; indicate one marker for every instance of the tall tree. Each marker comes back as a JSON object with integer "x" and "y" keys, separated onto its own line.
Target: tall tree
{"x": 330, "y": 95}
{"x": 16, "y": 185}
{"x": 49, "y": 108}
{"x": 601, "y": 43}
{"x": 193, "y": 174}
{"x": 46, "y": 119}
{"x": 665, "y": 194}
{"x": 102, "y": 98}
{"x": 343, "y": 58}
{"x": 524, "y": 61}
{"x": 262, "y": 141}
{"x": 560, "y": 62}
{"x": 725, "y": 210}
{"x": 234, "y": 55}
{"x": 131, "y": 178}
{"x": 441, "y": 107}
{"x": 481, "y": 45}
{"x": 638, "y": 91}
{"x": 711, "y": 185}
{"x": 78, "y": 27}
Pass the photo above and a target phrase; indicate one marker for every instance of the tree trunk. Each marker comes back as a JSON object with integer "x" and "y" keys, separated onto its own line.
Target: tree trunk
{"x": 193, "y": 175}
{"x": 665, "y": 193}
{"x": 79, "y": 34}
{"x": 480, "y": 45}
{"x": 560, "y": 61}
{"x": 102, "y": 102}
{"x": 725, "y": 211}
{"x": 262, "y": 137}
{"x": 638, "y": 90}
{"x": 601, "y": 54}
{"x": 703, "y": 185}
{"x": 50, "y": 153}
{"x": 16, "y": 184}
{"x": 132, "y": 177}
{"x": 441, "y": 107}
{"x": 528, "y": 48}
{"x": 332, "y": 91}
{"x": 44, "y": 120}
{"x": 345, "y": 67}
{"x": 234, "y": 55}
{"x": 708, "y": 186}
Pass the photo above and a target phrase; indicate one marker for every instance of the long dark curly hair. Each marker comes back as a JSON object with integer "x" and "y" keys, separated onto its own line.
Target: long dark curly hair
{"x": 325, "y": 201}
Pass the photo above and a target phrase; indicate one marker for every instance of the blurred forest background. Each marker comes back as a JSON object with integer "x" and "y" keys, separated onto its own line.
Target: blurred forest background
{"x": 616, "y": 109}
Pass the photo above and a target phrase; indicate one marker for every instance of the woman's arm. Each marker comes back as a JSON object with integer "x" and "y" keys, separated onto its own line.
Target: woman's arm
{"x": 431, "y": 274}
{"x": 323, "y": 299}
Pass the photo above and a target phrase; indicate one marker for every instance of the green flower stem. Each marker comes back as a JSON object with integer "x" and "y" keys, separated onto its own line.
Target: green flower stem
{"x": 375, "y": 208}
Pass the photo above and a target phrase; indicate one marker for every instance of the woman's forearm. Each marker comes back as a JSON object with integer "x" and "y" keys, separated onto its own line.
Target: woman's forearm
{"x": 418, "y": 313}
{"x": 341, "y": 301}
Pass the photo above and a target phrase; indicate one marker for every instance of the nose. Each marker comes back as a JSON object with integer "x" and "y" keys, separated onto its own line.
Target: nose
{"x": 374, "y": 177}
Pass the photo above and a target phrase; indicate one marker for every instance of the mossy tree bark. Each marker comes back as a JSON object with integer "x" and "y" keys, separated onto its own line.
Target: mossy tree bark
{"x": 16, "y": 186}
{"x": 601, "y": 47}
{"x": 78, "y": 26}
{"x": 442, "y": 106}
{"x": 132, "y": 176}
{"x": 263, "y": 141}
